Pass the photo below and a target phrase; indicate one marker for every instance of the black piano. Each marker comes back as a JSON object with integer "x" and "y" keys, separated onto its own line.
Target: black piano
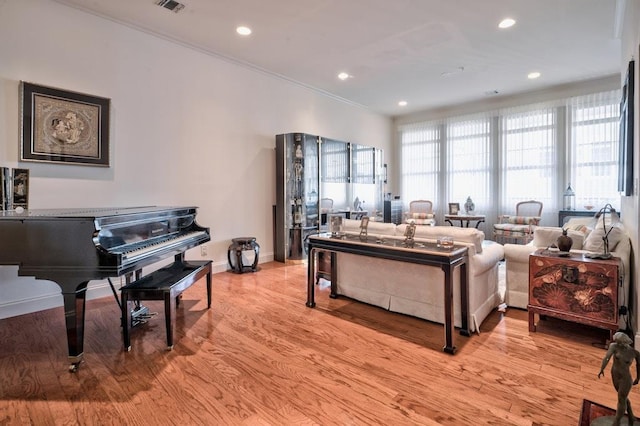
{"x": 74, "y": 246}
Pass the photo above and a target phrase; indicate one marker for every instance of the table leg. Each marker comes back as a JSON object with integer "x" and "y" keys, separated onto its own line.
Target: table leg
{"x": 532, "y": 324}
{"x": 464, "y": 297}
{"x": 448, "y": 310}
{"x": 311, "y": 272}
{"x": 334, "y": 276}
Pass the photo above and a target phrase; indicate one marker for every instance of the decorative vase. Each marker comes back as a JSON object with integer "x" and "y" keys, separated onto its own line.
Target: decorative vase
{"x": 564, "y": 241}
{"x": 469, "y": 207}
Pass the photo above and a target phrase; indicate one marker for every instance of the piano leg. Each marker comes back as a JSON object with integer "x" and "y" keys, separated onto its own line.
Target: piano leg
{"x": 74, "y": 308}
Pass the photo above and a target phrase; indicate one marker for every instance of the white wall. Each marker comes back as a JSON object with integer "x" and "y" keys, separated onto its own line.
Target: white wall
{"x": 630, "y": 205}
{"x": 187, "y": 128}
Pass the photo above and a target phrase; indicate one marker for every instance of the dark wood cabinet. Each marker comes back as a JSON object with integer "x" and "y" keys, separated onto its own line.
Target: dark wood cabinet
{"x": 574, "y": 288}
{"x": 393, "y": 211}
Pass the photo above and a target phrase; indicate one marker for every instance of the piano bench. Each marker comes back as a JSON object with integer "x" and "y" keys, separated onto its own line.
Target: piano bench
{"x": 166, "y": 284}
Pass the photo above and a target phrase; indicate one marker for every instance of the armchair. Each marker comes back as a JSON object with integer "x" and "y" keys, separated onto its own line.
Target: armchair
{"x": 420, "y": 213}
{"x": 518, "y": 228}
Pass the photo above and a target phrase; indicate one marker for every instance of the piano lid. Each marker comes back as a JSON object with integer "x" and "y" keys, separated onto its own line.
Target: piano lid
{"x": 85, "y": 213}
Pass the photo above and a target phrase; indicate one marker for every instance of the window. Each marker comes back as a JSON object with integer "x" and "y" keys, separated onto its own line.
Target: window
{"x": 469, "y": 164}
{"x": 529, "y": 158}
{"x": 362, "y": 165}
{"x": 420, "y": 163}
{"x": 594, "y": 148}
{"x": 516, "y": 154}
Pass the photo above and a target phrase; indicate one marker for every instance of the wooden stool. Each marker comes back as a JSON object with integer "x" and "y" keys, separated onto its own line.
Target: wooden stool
{"x": 238, "y": 245}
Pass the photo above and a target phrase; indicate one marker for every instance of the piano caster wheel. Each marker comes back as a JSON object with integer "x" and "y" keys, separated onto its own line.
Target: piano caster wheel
{"x": 127, "y": 349}
{"x": 74, "y": 367}
{"x": 170, "y": 348}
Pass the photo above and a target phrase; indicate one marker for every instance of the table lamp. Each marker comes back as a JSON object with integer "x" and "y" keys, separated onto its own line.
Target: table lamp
{"x": 614, "y": 218}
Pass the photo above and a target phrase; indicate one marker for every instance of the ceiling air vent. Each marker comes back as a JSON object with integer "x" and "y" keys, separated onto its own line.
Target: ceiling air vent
{"x": 172, "y": 5}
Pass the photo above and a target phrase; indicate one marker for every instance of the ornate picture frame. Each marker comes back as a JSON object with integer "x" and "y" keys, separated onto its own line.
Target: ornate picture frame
{"x": 454, "y": 208}
{"x": 60, "y": 126}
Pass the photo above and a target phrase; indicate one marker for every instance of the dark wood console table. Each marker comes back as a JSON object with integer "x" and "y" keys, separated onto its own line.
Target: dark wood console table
{"x": 396, "y": 249}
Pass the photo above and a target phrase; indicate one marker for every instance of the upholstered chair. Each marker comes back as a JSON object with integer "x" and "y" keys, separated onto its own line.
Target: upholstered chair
{"x": 518, "y": 228}
{"x": 420, "y": 213}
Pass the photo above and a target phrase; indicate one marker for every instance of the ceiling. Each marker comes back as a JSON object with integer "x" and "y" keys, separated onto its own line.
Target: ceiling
{"x": 430, "y": 53}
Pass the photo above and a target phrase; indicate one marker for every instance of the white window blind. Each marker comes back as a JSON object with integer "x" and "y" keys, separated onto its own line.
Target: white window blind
{"x": 335, "y": 164}
{"x": 594, "y": 147}
{"x": 529, "y": 158}
{"x": 420, "y": 162}
{"x": 469, "y": 164}
{"x": 516, "y": 154}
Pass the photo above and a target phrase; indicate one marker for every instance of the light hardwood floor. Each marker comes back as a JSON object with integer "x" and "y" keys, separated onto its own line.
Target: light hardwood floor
{"x": 259, "y": 356}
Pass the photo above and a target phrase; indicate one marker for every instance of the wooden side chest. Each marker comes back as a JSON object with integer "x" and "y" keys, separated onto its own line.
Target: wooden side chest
{"x": 574, "y": 288}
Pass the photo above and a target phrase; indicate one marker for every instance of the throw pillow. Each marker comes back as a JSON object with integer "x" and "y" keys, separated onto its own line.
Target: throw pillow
{"x": 594, "y": 242}
{"x": 547, "y": 236}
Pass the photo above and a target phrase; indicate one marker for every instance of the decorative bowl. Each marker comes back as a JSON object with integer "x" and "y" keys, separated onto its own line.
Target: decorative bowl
{"x": 588, "y": 207}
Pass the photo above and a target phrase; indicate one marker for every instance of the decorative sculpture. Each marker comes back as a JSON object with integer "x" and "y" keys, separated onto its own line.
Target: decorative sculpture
{"x": 409, "y": 233}
{"x": 469, "y": 206}
{"x": 564, "y": 241}
{"x": 623, "y": 355}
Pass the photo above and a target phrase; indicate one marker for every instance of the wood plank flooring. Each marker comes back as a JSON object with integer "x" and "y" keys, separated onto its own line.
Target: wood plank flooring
{"x": 259, "y": 356}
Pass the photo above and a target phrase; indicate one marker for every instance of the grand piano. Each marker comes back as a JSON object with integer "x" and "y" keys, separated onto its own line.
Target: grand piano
{"x": 74, "y": 246}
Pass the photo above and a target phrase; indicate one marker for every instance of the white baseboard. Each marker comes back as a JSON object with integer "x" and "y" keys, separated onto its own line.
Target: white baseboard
{"x": 95, "y": 290}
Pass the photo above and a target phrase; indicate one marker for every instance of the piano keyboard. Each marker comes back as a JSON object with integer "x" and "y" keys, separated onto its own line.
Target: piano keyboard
{"x": 165, "y": 244}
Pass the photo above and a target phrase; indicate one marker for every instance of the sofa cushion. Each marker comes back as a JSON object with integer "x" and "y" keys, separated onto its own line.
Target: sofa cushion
{"x": 578, "y": 227}
{"x": 374, "y": 228}
{"x": 511, "y": 230}
{"x": 594, "y": 242}
{"x": 546, "y": 236}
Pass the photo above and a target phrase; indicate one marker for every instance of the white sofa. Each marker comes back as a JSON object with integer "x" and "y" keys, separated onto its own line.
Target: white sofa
{"x": 418, "y": 290}
{"x": 585, "y": 239}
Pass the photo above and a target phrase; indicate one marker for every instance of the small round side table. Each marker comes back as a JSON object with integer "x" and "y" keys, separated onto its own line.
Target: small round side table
{"x": 238, "y": 245}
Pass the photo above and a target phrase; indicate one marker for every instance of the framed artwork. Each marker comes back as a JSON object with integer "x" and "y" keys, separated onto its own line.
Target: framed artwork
{"x": 625, "y": 157}
{"x": 454, "y": 208}
{"x": 20, "y": 188}
{"x": 63, "y": 127}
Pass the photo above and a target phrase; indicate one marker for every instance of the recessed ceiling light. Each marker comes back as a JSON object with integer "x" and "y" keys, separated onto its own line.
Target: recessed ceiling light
{"x": 343, "y": 76}
{"x": 533, "y": 75}
{"x": 506, "y": 23}
{"x": 245, "y": 31}
{"x": 402, "y": 103}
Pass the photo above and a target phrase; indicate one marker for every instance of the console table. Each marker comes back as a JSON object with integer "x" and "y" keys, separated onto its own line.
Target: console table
{"x": 465, "y": 219}
{"x": 421, "y": 253}
{"x": 574, "y": 288}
